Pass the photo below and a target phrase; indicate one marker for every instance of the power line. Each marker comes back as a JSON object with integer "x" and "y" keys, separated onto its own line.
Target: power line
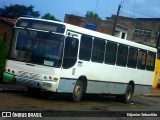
{"x": 96, "y": 6}
{"x": 134, "y": 8}
{"x": 134, "y": 12}
{"x": 138, "y": 12}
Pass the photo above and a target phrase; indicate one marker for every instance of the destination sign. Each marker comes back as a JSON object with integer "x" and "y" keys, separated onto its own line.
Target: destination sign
{"x": 44, "y": 27}
{"x": 40, "y": 25}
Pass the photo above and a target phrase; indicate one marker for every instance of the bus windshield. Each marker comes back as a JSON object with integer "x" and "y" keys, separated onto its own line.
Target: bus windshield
{"x": 37, "y": 47}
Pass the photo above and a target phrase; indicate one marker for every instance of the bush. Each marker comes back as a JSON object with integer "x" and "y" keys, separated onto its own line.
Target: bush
{"x": 4, "y": 48}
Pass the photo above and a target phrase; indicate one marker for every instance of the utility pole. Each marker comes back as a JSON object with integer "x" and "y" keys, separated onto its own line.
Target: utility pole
{"x": 158, "y": 40}
{"x": 157, "y": 46}
{"x": 114, "y": 26}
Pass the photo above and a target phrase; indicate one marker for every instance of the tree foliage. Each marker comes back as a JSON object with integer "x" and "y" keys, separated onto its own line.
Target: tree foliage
{"x": 4, "y": 48}
{"x": 15, "y": 11}
{"x": 92, "y": 15}
{"x": 48, "y": 16}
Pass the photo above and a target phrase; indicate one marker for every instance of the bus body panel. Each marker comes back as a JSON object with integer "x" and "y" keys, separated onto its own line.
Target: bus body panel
{"x": 66, "y": 85}
{"x": 104, "y": 78}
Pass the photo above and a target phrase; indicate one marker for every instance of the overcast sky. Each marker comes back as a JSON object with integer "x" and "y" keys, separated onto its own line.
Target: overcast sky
{"x": 104, "y": 8}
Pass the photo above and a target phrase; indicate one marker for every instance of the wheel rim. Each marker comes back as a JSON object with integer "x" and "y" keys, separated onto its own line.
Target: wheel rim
{"x": 129, "y": 94}
{"x": 77, "y": 91}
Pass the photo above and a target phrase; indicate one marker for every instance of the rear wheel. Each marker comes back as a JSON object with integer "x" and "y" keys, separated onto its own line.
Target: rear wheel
{"x": 78, "y": 91}
{"x": 126, "y": 98}
{"x": 128, "y": 94}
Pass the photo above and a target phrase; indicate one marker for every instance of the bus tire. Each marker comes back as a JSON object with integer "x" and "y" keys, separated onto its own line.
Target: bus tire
{"x": 126, "y": 98}
{"x": 77, "y": 92}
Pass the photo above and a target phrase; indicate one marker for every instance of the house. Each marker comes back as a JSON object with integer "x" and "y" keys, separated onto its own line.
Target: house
{"x": 6, "y": 25}
{"x": 102, "y": 26}
{"x": 141, "y": 30}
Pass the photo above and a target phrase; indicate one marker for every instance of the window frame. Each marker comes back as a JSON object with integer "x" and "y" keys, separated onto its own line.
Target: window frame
{"x": 120, "y": 61}
{"x": 151, "y": 61}
{"x": 141, "y": 66}
{"x": 68, "y": 60}
{"x": 131, "y": 58}
{"x": 98, "y": 51}
{"x": 110, "y": 57}
{"x": 85, "y": 52}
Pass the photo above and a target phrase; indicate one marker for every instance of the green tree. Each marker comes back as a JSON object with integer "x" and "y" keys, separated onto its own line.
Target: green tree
{"x": 92, "y": 15}
{"x": 4, "y": 48}
{"x": 15, "y": 11}
{"x": 48, "y": 16}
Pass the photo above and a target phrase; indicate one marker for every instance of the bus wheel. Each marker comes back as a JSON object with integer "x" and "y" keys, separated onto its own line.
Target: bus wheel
{"x": 126, "y": 98}
{"x": 78, "y": 91}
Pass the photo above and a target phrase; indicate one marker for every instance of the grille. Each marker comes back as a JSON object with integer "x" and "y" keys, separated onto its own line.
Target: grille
{"x": 28, "y": 75}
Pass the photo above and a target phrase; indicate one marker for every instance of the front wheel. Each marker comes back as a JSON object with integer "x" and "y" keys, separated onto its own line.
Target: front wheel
{"x": 78, "y": 91}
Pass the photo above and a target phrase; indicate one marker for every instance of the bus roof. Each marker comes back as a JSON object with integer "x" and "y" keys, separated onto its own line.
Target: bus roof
{"x": 81, "y": 30}
{"x": 109, "y": 37}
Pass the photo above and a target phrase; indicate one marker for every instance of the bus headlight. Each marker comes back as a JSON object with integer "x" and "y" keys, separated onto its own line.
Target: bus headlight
{"x": 45, "y": 78}
{"x": 55, "y": 78}
{"x": 12, "y": 71}
{"x": 50, "y": 78}
{"x": 9, "y": 70}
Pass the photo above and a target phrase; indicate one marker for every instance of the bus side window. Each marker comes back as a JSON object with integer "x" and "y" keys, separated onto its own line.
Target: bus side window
{"x": 122, "y": 55}
{"x": 70, "y": 52}
{"x": 85, "y": 48}
{"x": 150, "y": 62}
{"x": 111, "y": 53}
{"x": 98, "y": 50}
{"x": 141, "y": 59}
{"x": 132, "y": 57}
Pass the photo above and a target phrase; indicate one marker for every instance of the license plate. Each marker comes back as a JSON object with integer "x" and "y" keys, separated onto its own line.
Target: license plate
{"x": 46, "y": 84}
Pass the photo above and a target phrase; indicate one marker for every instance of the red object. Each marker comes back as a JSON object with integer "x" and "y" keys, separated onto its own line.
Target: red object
{"x": 10, "y": 21}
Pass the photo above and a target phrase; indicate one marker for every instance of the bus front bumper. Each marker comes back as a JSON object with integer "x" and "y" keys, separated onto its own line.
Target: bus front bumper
{"x": 46, "y": 85}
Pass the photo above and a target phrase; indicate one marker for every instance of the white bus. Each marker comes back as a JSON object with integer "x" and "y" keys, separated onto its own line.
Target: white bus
{"x": 62, "y": 58}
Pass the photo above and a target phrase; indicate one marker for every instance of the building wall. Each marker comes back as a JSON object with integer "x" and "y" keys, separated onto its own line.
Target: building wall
{"x": 106, "y": 26}
{"x": 103, "y": 26}
{"x": 144, "y": 25}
